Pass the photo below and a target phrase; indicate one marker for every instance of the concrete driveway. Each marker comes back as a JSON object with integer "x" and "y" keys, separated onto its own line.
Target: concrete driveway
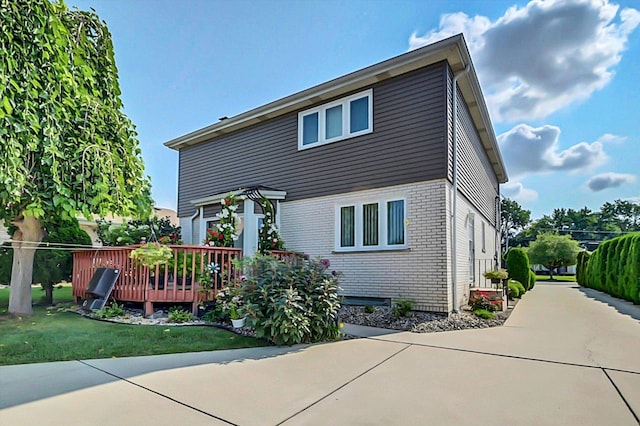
{"x": 566, "y": 356}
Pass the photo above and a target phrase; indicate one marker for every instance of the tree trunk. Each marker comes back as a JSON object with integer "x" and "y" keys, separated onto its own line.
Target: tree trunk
{"x": 551, "y": 273}
{"x": 25, "y": 241}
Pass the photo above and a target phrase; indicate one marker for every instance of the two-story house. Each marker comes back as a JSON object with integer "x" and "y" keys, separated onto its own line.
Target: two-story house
{"x": 391, "y": 172}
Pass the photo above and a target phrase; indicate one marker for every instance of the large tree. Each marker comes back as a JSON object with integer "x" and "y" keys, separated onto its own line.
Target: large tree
{"x": 513, "y": 219}
{"x": 553, "y": 251}
{"x": 66, "y": 147}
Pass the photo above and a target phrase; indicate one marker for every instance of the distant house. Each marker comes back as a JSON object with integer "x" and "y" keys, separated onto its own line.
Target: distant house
{"x": 363, "y": 171}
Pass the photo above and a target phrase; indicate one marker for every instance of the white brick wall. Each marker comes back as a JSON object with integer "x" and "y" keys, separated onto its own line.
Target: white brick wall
{"x": 419, "y": 273}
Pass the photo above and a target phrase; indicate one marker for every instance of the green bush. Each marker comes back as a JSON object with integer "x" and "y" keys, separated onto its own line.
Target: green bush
{"x": 516, "y": 290}
{"x": 292, "y": 301}
{"x": 583, "y": 259}
{"x": 178, "y": 315}
{"x": 110, "y": 311}
{"x": 614, "y": 267}
{"x": 532, "y": 280}
{"x": 482, "y": 302}
{"x": 483, "y": 313}
{"x": 402, "y": 307}
{"x": 369, "y": 309}
{"x": 518, "y": 266}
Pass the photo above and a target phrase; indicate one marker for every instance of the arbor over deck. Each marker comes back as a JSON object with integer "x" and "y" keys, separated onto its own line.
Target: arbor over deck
{"x": 175, "y": 282}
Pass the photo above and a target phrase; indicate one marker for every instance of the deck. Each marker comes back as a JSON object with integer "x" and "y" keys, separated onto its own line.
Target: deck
{"x": 174, "y": 282}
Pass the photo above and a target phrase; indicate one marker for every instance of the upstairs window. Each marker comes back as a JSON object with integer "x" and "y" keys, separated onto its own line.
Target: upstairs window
{"x": 379, "y": 225}
{"x": 345, "y": 118}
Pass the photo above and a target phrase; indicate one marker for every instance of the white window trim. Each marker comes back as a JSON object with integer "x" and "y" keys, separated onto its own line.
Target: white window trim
{"x": 382, "y": 225}
{"x": 346, "y": 122}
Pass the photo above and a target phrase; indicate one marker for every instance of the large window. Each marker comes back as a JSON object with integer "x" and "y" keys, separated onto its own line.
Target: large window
{"x": 371, "y": 225}
{"x": 337, "y": 120}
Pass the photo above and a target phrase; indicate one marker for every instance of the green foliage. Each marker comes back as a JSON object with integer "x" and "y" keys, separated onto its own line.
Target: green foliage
{"x": 513, "y": 219}
{"x": 532, "y": 280}
{"x": 614, "y": 267}
{"x": 138, "y": 231}
{"x": 110, "y": 311}
{"x": 581, "y": 268}
{"x": 230, "y": 302}
{"x": 52, "y": 264}
{"x": 483, "y": 313}
{"x": 151, "y": 254}
{"x": 369, "y": 309}
{"x": 292, "y": 301}
{"x": 65, "y": 145}
{"x": 178, "y": 315}
{"x": 518, "y": 266}
{"x": 269, "y": 238}
{"x": 402, "y": 307}
{"x": 498, "y": 274}
{"x": 553, "y": 251}
{"x": 516, "y": 290}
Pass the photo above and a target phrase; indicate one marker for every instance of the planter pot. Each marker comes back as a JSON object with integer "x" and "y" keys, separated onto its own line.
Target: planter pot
{"x": 238, "y": 323}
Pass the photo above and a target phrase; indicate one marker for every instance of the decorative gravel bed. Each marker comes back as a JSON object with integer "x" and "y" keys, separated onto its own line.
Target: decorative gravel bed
{"x": 418, "y": 322}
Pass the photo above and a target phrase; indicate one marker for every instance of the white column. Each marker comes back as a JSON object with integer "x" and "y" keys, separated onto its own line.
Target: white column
{"x": 250, "y": 242}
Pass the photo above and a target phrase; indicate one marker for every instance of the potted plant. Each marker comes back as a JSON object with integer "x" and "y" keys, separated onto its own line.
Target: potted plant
{"x": 237, "y": 316}
{"x": 230, "y": 304}
{"x": 496, "y": 275}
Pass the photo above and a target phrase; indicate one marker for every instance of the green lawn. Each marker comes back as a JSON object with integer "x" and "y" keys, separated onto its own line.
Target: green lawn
{"x": 563, "y": 278}
{"x": 56, "y": 335}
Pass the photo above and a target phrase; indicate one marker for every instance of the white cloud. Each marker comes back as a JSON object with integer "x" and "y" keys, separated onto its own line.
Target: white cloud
{"x": 611, "y": 138}
{"x": 609, "y": 180}
{"x": 537, "y": 59}
{"x": 527, "y": 149}
{"x": 516, "y": 191}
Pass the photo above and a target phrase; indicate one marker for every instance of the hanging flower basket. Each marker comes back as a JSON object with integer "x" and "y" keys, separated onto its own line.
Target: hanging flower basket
{"x": 151, "y": 254}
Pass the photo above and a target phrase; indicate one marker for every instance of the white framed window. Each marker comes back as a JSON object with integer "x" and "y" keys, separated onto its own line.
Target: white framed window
{"x": 345, "y": 118}
{"x": 371, "y": 225}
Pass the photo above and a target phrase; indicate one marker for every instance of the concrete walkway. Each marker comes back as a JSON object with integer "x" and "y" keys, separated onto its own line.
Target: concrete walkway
{"x": 566, "y": 356}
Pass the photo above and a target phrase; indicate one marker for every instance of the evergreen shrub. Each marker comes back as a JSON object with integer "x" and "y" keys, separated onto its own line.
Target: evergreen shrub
{"x": 518, "y": 266}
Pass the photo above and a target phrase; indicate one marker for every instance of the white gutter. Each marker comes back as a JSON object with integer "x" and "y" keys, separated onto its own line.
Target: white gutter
{"x": 454, "y": 207}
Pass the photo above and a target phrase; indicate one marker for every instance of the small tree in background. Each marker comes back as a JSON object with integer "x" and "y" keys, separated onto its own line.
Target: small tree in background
{"x": 553, "y": 251}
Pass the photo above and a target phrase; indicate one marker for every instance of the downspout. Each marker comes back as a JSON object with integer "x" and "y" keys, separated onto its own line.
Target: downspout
{"x": 454, "y": 207}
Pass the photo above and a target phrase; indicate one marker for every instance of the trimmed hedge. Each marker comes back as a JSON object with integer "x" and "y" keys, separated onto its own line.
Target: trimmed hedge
{"x": 614, "y": 267}
{"x": 518, "y": 267}
{"x": 516, "y": 289}
{"x": 532, "y": 279}
{"x": 581, "y": 267}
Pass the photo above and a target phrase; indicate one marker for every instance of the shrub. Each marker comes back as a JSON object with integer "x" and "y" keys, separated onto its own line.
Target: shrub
{"x": 532, "y": 280}
{"x": 496, "y": 274}
{"x": 581, "y": 267}
{"x": 402, "y": 307}
{"x": 614, "y": 267}
{"x": 483, "y": 313}
{"x": 291, "y": 301}
{"x": 518, "y": 266}
{"x": 482, "y": 302}
{"x": 369, "y": 309}
{"x": 178, "y": 315}
{"x": 110, "y": 311}
{"x": 516, "y": 289}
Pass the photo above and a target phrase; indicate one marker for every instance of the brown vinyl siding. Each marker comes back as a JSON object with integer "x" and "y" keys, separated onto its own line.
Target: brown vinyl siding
{"x": 407, "y": 145}
{"x": 476, "y": 179}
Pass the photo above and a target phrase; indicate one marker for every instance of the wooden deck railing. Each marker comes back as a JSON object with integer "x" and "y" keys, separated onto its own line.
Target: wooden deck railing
{"x": 176, "y": 281}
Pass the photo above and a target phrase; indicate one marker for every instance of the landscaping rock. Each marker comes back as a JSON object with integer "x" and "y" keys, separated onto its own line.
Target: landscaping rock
{"x": 417, "y": 322}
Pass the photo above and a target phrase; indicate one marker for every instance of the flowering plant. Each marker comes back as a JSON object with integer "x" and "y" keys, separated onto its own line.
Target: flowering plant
{"x": 269, "y": 238}
{"x": 209, "y": 279}
{"x": 151, "y": 254}
{"x": 224, "y": 234}
{"x": 230, "y": 302}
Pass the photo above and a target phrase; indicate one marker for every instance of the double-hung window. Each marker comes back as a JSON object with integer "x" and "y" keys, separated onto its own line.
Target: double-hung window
{"x": 341, "y": 119}
{"x": 371, "y": 225}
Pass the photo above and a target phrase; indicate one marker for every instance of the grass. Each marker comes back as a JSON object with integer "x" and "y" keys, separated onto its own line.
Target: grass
{"x": 564, "y": 278}
{"x": 56, "y": 335}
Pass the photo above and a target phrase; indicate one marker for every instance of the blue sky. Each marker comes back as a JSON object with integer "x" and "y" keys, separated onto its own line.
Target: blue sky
{"x": 560, "y": 76}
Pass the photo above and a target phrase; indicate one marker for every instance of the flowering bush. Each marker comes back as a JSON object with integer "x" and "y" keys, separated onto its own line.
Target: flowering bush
{"x": 229, "y": 302}
{"x": 291, "y": 301}
{"x": 269, "y": 238}
{"x": 224, "y": 234}
{"x": 138, "y": 231}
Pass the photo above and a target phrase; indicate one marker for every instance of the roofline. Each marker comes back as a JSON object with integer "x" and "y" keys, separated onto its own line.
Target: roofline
{"x": 453, "y": 50}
